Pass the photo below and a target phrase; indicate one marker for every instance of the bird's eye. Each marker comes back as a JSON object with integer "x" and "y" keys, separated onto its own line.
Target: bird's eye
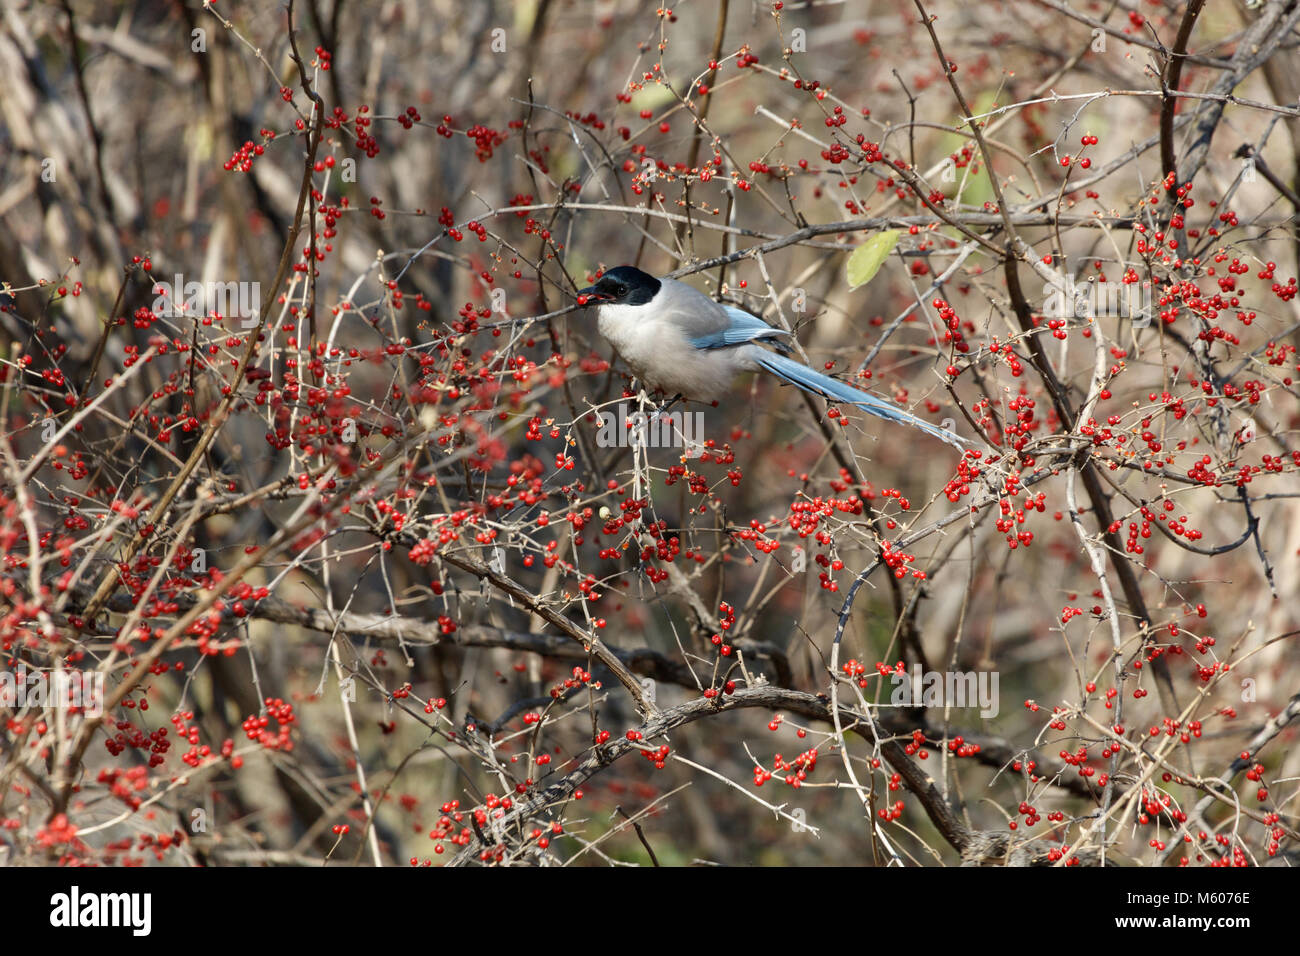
{"x": 619, "y": 289}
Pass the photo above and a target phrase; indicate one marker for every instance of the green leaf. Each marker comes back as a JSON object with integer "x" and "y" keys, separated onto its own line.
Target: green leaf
{"x": 867, "y": 258}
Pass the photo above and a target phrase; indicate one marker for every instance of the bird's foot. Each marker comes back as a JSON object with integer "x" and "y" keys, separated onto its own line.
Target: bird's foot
{"x": 662, "y": 409}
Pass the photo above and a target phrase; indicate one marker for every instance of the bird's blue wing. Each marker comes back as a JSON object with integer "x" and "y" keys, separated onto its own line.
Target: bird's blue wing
{"x": 741, "y": 327}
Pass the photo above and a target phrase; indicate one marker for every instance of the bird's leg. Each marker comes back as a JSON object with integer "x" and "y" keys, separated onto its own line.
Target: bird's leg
{"x": 664, "y": 408}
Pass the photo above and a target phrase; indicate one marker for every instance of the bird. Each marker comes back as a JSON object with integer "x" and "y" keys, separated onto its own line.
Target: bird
{"x": 677, "y": 340}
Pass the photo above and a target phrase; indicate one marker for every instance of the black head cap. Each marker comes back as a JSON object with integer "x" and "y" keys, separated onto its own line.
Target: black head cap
{"x": 626, "y": 285}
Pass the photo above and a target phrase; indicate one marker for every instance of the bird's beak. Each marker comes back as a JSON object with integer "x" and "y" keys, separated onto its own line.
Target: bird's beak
{"x": 588, "y": 295}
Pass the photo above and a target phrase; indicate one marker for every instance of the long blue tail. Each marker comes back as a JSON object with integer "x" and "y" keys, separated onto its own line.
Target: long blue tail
{"x": 801, "y": 375}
